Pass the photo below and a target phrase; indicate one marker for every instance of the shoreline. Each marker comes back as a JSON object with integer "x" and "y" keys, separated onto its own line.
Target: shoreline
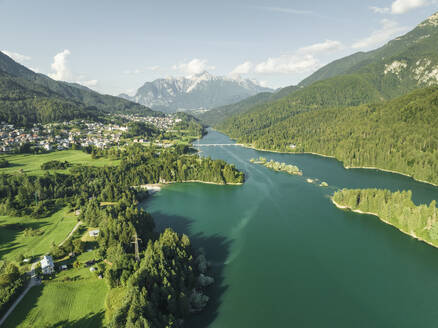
{"x": 345, "y": 167}
{"x": 390, "y": 171}
{"x": 205, "y": 182}
{"x": 413, "y": 235}
{"x": 155, "y": 187}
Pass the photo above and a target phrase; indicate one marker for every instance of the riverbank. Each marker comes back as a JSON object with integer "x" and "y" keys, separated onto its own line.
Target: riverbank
{"x": 155, "y": 187}
{"x": 390, "y": 171}
{"x": 346, "y": 167}
{"x": 412, "y": 234}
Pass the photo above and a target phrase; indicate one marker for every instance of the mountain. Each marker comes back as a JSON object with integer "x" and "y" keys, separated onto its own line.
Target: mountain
{"x": 398, "y": 135}
{"x": 27, "y": 97}
{"x": 201, "y": 91}
{"x": 402, "y": 65}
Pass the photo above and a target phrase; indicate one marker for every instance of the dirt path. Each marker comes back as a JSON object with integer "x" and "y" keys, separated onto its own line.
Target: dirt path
{"x": 71, "y": 233}
{"x": 34, "y": 281}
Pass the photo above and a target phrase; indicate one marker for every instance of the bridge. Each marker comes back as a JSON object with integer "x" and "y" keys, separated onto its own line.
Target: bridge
{"x": 215, "y": 145}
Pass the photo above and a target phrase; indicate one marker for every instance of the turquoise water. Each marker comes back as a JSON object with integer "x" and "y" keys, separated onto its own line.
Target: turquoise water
{"x": 284, "y": 256}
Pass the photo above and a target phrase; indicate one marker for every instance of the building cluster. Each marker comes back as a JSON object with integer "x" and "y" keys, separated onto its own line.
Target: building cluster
{"x": 164, "y": 123}
{"x": 60, "y": 136}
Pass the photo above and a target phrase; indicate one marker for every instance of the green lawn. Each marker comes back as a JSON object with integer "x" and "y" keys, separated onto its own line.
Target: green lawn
{"x": 54, "y": 229}
{"x": 62, "y": 304}
{"x": 31, "y": 164}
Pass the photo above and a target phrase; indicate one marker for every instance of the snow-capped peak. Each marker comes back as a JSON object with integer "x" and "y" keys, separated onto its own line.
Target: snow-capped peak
{"x": 202, "y": 90}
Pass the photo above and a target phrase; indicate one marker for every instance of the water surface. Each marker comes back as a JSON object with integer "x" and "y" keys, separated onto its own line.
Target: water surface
{"x": 284, "y": 256}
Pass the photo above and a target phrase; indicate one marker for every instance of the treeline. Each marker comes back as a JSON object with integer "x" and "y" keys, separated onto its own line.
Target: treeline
{"x": 395, "y": 208}
{"x": 12, "y": 283}
{"x": 189, "y": 125}
{"x": 398, "y": 135}
{"x": 162, "y": 291}
{"x": 41, "y": 196}
{"x": 161, "y": 288}
{"x": 24, "y": 103}
{"x": 55, "y": 165}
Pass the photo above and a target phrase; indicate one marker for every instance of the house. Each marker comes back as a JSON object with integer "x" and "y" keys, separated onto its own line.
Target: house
{"x": 47, "y": 266}
{"x": 64, "y": 267}
{"x": 94, "y": 233}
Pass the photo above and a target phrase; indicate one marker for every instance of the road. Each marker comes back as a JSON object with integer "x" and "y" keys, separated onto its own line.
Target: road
{"x": 71, "y": 233}
{"x": 34, "y": 281}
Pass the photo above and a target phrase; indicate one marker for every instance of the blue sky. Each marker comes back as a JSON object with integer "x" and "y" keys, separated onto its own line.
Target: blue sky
{"x": 116, "y": 46}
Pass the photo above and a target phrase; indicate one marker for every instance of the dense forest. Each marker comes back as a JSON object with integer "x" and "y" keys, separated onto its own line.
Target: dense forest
{"x": 399, "y": 135}
{"x": 12, "y": 282}
{"x": 27, "y": 97}
{"x": 24, "y": 103}
{"x": 139, "y": 165}
{"x": 396, "y": 209}
{"x": 164, "y": 287}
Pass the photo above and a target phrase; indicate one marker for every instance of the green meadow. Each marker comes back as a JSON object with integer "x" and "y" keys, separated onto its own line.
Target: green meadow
{"x": 31, "y": 164}
{"x": 52, "y": 229}
{"x": 77, "y": 303}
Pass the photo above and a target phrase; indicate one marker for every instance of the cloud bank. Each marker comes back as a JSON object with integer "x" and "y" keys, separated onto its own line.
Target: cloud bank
{"x": 193, "y": 67}
{"x": 399, "y": 7}
{"x": 62, "y": 72}
{"x": 388, "y": 30}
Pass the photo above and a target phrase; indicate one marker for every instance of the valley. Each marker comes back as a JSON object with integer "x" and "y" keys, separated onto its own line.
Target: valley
{"x": 263, "y": 165}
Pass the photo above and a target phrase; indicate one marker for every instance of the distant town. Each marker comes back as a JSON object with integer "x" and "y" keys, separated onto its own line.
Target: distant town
{"x": 78, "y": 133}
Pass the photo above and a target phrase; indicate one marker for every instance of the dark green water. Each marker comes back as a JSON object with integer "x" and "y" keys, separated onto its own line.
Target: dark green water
{"x": 284, "y": 256}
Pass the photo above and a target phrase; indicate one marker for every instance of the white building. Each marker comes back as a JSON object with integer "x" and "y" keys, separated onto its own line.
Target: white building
{"x": 94, "y": 233}
{"x": 47, "y": 265}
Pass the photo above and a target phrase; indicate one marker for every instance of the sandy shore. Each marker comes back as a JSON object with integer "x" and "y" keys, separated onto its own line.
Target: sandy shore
{"x": 411, "y": 233}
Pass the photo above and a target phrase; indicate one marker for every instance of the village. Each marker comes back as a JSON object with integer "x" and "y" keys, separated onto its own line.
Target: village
{"x": 77, "y": 133}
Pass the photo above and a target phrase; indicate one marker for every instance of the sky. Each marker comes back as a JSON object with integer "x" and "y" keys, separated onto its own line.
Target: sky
{"x": 117, "y": 46}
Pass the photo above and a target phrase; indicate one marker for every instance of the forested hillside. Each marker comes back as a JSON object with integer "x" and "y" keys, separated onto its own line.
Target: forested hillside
{"x": 399, "y": 135}
{"x": 347, "y": 90}
{"x": 217, "y": 115}
{"x": 402, "y": 65}
{"x": 23, "y": 102}
{"x": 27, "y": 97}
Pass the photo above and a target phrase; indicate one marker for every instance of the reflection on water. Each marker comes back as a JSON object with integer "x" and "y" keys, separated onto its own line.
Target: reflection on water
{"x": 284, "y": 256}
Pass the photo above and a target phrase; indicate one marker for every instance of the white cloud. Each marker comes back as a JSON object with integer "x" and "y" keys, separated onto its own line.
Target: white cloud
{"x": 302, "y": 60}
{"x": 195, "y": 66}
{"x": 401, "y": 7}
{"x": 62, "y": 71}
{"x": 388, "y": 30}
{"x": 244, "y": 68}
{"x": 379, "y": 10}
{"x": 287, "y": 64}
{"x": 19, "y": 58}
{"x": 326, "y": 46}
{"x": 60, "y": 66}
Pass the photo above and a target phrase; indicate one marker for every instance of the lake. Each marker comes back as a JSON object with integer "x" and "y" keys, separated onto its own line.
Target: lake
{"x": 283, "y": 255}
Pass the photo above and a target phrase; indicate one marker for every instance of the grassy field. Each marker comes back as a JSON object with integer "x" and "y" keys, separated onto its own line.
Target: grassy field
{"x": 52, "y": 229}
{"x": 62, "y": 304}
{"x": 31, "y": 164}
{"x": 74, "y": 298}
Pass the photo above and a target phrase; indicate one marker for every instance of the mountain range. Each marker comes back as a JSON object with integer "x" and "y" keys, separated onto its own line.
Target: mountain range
{"x": 200, "y": 91}
{"x": 400, "y": 66}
